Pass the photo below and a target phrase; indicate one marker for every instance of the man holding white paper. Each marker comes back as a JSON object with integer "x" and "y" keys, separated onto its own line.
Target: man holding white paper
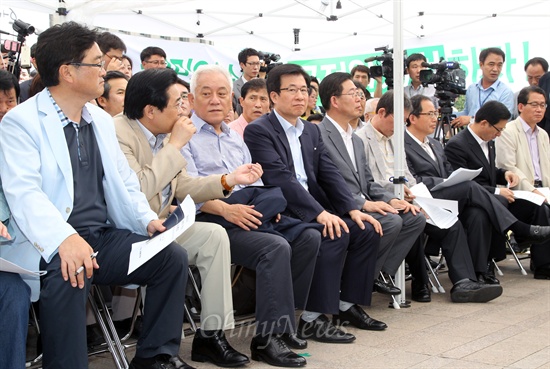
{"x": 74, "y": 194}
{"x": 377, "y": 137}
{"x": 490, "y": 122}
{"x": 481, "y": 213}
{"x": 151, "y": 133}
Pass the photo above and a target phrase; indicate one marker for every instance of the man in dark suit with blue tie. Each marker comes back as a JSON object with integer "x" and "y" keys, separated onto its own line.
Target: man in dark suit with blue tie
{"x": 294, "y": 158}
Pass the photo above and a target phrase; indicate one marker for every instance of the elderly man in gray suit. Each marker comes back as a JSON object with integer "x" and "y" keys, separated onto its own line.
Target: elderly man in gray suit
{"x": 342, "y": 102}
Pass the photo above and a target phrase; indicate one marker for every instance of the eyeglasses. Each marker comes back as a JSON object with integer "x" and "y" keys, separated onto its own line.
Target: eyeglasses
{"x": 253, "y": 64}
{"x": 100, "y": 65}
{"x": 535, "y": 105}
{"x": 356, "y": 93}
{"x": 155, "y": 62}
{"x": 294, "y": 90}
{"x": 431, "y": 114}
{"x": 499, "y": 130}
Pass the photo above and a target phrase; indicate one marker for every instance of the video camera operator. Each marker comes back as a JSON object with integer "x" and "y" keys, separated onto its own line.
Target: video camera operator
{"x": 414, "y": 66}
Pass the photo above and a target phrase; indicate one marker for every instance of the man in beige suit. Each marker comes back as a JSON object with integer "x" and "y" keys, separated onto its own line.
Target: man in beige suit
{"x": 151, "y": 133}
{"x": 524, "y": 149}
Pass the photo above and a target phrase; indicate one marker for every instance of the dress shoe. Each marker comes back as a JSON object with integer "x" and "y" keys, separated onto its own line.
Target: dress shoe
{"x": 420, "y": 292}
{"x": 471, "y": 291}
{"x": 537, "y": 234}
{"x": 357, "y": 317}
{"x": 159, "y": 362}
{"x": 542, "y": 272}
{"x": 487, "y": 278}
{"x": 322, "y": 330}
{"x": 292, "y": 341}
{"x": 212, "y": 346}
{"x": 274, "y": 351}
{"x": 385, "y": 288}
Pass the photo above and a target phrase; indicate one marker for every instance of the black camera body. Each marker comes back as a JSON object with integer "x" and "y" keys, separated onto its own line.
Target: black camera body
{"x": 386, "y": 69}
{"x": 448, "y": 77}
{"x": 271, "y": 60}
{"x": 23, "y": 29}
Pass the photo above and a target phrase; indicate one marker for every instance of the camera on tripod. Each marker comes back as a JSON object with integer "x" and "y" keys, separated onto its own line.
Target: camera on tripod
{"x": 449, "y": 81}
{"x": 271, "y": 60}
{"x": 448, "y": 77}
{"x": 386, "y": 69}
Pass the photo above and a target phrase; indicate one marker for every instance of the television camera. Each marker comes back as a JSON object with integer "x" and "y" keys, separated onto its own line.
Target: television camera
{"x": 449, "y": 81}
{"x": 386, "y": 69}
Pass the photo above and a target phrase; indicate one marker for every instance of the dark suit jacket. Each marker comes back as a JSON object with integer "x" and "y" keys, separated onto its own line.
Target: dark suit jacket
{"x": 327, "y": 190}
{"x": 463, "y": 151}
{"x": 422, "y": 166}
{"x": 360, "y": 182}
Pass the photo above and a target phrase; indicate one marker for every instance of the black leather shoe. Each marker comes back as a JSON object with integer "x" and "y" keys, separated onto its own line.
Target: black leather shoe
{"x": 212, "y": 346}
{"x": 357, "y": 317}
{"x": 420, "y": 292}
{"x": 159, "y": 362}
{"x": 542, "y": 272}
{"x": 487, "y": 278}
{"x": 385, "y": 288}
{"x": 537, "y": 234}
{"x": 292, "y": 341}
{"x": 274, "y": 351}
{"x": 471, "y": 291}
{"x": 322, "y": 330}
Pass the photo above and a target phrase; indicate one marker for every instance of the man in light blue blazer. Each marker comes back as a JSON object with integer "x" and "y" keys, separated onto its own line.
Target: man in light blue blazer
{"x": 72, "y": 194}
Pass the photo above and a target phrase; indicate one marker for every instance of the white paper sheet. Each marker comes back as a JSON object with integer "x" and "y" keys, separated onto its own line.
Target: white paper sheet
{"x": 8, "y": 266}
{"x": 545, "y": 191}
{"x": 458, "y": 176}
{"x": 529, "y": 196}
{"x": 441, "y": 213}
{"x": 143, "y": 251}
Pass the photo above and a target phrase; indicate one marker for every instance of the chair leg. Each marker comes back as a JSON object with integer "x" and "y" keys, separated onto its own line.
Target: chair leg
{"x": 436, "y": 289}
{"x": 394, "y": 300}
{"x": 137, "y": 308}
{"x": 521, "y": 268}
{"x": 497, "y": 269}
{"x": 101, "y": 313}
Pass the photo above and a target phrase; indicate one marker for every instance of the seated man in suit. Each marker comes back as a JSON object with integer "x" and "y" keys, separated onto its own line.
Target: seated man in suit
{"x": 401, "y": 230}
{"x": 284, "y": 258}
{"x": 151, "y": 133}
{"x": 293, "y": 156}
{"x": 75, "y": 197}
{"x": 490, "y": 123}
{"x": 428, "y": 164}
{"x": 376, "y": 136}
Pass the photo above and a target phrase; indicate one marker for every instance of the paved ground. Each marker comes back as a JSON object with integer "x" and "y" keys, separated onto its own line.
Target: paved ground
{"x": 510, "y": 332}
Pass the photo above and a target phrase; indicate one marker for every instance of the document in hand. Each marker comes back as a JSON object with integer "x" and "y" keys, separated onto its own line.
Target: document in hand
{"x": 546, "y": 192}
{"x": 529, "y": 196}
{"x": 441, "y": 213}
{"x": 177, "y": 223}
{"x": 458, "y": 176}
{"x": 8, "y": 266}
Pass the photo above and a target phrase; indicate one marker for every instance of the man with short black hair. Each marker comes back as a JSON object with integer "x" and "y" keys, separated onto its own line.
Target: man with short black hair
{"x": 254, "y": 102}
{"x": 9, "y": 92}
{"x": 361, "y": 74}
{"x": 77, "y": 204}
{"x": 113, "y": 49}
{"x": 153, "y": 57}
{"x": 489, "y": 88}
{"x": 294, "y": 158}
{"x": 414, "y": 66}
{"x": 114, "y": 89}
{"x": 151, "y": 134}
{"x": 249, "y": 61}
